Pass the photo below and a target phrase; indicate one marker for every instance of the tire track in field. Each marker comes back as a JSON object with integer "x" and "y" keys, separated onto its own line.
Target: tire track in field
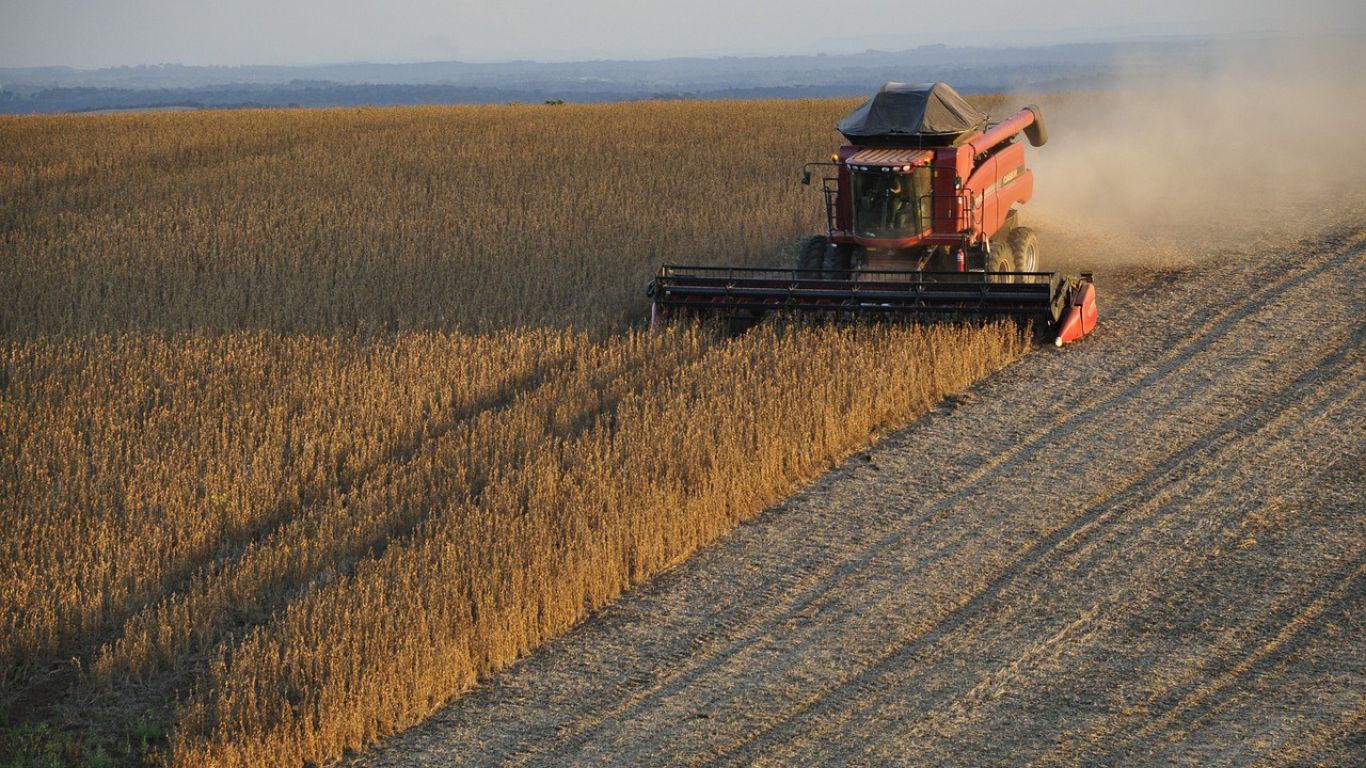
{"x": 1196, "y": 471}
{"x": 1314, "y": 746}
{"x": 1240, "y": 593}
{"x": 1178, "y": 719}
{"x": 588, "y": 698}
{"x": 1224, "y": 573}
{"x": 818, "y": 581}
{"x": 831, "y": 707}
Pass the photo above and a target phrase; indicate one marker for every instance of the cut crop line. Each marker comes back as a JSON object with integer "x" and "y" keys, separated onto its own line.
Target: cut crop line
{"x": 1205, "y": 470}
{"x": 837, "y": 697}
{"x": 1174, "y": 359}
{"x": 1134, "y": 541}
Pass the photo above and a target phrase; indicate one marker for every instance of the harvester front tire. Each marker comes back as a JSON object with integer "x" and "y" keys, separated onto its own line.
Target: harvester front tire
{"x": 1001, "y": 259}
{"x": 812, "y": 255}
{"x": 1025, "y": 245}
{"x": 838, "y": 262}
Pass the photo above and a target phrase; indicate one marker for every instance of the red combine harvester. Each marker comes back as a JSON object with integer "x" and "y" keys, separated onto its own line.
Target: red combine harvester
{"x": 923, "y": 220}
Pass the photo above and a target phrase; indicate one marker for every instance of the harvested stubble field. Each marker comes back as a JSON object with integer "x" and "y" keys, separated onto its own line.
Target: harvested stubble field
{"x": 311, "y": 419}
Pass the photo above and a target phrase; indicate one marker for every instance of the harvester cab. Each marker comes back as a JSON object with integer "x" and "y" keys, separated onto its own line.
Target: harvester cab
{"x": 922, "y": 219}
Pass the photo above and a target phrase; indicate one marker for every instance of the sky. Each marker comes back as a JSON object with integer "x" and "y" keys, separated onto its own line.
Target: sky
{"x": 103, "y": 33}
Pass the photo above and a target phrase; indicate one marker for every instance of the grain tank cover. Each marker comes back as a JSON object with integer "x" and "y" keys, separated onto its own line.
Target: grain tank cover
{"x": 917, "y": 114}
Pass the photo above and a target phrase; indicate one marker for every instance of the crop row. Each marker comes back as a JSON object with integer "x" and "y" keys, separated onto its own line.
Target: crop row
{"x": 312, "y": 418}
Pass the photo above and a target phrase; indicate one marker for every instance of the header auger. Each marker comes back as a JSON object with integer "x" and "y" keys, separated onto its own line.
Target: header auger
{"x": 922, "y": 220}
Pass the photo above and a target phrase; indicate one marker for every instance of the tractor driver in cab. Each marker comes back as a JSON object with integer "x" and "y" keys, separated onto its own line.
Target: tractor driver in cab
{"x": 885, "y": 204}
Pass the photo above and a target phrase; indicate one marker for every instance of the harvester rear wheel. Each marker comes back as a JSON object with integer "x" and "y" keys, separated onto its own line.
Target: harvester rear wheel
{"x": 813, "y": 253}
{"x": 1025, "y": 244}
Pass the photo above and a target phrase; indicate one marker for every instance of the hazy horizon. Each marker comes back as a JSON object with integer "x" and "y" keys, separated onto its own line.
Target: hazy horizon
{"x": 87, "y": 34}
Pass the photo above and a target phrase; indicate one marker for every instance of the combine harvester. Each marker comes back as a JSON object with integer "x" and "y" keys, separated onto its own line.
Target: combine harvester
{"x": 923, "y": 220}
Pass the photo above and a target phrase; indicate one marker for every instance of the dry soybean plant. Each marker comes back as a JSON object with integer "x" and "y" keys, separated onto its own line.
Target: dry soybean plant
{"x": 312, "y": 418}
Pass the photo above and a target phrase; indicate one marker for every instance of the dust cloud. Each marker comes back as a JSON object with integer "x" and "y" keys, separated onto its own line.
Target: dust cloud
{"x": 1162, "y": 171}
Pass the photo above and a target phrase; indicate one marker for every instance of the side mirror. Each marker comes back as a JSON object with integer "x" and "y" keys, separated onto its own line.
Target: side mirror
{"x": 806, "y": 177}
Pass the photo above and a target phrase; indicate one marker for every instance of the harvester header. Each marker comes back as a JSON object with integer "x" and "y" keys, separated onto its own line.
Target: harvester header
{"x": 922, "y": 219}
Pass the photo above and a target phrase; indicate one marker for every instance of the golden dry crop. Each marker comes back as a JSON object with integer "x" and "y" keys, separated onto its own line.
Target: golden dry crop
{"x": 311, "y": 418}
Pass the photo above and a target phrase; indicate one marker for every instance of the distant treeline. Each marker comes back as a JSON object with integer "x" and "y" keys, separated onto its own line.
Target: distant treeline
{"x": 230, "y": 97}
{"x": 971, "y": 70}
{"x": 88, "y": 99}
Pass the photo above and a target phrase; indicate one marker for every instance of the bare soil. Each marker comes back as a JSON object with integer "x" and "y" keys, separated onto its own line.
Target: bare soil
{"x": 1148, "y": 548}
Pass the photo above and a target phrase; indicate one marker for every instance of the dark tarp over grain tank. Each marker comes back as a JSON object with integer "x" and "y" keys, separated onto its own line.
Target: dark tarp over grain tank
{"x": 924, "y": 114}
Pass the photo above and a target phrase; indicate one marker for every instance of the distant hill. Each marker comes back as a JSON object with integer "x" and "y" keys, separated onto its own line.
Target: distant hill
{"x": 1044, "y": 68}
